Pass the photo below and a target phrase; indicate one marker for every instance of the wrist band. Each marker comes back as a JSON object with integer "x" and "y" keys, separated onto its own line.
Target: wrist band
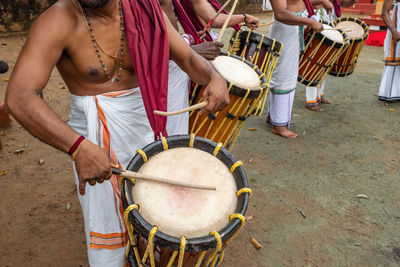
{"x": 245, "y": 17}
{"x": 75, "y": 154}
{"x": 75, "y": 146}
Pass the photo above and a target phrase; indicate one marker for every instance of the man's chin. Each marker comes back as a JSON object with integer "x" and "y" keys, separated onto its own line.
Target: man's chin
{"x": 93, "y": 3}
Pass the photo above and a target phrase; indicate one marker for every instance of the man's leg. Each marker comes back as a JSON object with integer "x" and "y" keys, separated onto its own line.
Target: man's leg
{"x": 322, "y": 94}
{"x": 313, "y": 98}
{"x": 387, "y": 84}
{"x": 280, "y": 110}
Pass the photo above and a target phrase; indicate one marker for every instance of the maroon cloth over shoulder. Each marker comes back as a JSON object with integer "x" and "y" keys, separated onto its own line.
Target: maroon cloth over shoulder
{"x": 186, "y": 15}
{"x": 336, "y": 6}
{"x": 185, "y": 21}
{"x": 148, "y": 45}
{"x": 309, "y": 8}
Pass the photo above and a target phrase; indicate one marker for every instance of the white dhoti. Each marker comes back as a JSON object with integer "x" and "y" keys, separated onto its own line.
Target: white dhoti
{"x": 284, "y": 79}
{"x": 117, "y": 122}
{"x": 178, "y": 98}
{"x": 314, "y": 94}
{"x": 390, "y": 83}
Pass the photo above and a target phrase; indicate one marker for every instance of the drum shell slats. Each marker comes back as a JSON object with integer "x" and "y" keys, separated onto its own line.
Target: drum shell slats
{"x": 347, "y": 62}
{"x": 225, "y": 125}
{"x": 318, "y": 57}
{"x": 251, "y": 43}
{"x": 260, "y": 50}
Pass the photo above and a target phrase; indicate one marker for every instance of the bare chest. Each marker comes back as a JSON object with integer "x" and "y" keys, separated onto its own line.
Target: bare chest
{"x": 97, "y": 53}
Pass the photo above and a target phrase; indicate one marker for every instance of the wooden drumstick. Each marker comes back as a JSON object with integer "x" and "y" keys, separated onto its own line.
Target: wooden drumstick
{"x": 171, "y": 113}
{"x": 203, "y": 32}
{"x": 260, "y": 25}
{"x": 221, "y": 33}
{"x": 140, "y": 176}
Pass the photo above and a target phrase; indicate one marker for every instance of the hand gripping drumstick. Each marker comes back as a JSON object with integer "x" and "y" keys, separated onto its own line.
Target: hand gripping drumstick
{"x": 197, "y": 106}
{"x": 203, "y": 32}
{"x": 140, "y": 176}
{"x": 221, "y": 33}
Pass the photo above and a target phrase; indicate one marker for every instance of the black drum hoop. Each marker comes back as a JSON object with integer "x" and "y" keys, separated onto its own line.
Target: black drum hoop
{"x": 192, "y": 244}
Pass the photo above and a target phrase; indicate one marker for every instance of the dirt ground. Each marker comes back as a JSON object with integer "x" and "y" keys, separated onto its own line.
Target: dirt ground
{"x": 305, "y": 205}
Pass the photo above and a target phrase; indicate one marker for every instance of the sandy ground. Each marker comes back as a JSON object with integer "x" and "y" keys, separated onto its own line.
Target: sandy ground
{"x": 351, "y": 148}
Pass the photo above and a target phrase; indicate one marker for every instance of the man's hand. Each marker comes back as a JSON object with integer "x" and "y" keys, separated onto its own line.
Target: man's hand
{"x": 216, "y": 93}
{"x": 92, "y": 165}
{"x": 396, "y": 36}
{"x": 327, "y": 5}
{"x": 208, "y": 50}
{"x": 316, "y": 26}
{"x": 252, "y": 22}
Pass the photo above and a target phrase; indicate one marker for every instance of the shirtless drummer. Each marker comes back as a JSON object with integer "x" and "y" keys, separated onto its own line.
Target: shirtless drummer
{"x": 108, "y": 120}
{"x": 289, "y": 21}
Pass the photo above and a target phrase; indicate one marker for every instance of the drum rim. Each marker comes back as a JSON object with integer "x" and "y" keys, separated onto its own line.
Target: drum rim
{"x": 242, "y": 92}
{"x": 192, "y": 244}
{"x": 359, "y": 22}
{"x": 328, "y": 41}
{"x": 256, "y": 37}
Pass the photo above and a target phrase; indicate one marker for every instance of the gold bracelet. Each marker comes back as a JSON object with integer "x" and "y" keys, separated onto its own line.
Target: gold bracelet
{"x": 75, "y": 154}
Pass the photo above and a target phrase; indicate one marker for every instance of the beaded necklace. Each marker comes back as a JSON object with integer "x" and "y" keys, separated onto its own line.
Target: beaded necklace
{"x": 98, "y": 48}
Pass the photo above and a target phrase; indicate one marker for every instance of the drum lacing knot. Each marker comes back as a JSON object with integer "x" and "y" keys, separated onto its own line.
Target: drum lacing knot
{"x": 230, "y": 116}
{"x": 244, "y": 190}
{"x": 150, "y": 247}
{"x": 165, "y": 143}
{"x": 211, "y": 116}
{"x": 132, "y": 240}
{"x": 181, "y": 251}
{"x": 213, "y": 256}
{"x": 234, "y": 166}
{"x": 217, "y": 148}
{"x": 143, "y": 154}
{"x": 191, "y": 141}
{"x": 242, "y": 118}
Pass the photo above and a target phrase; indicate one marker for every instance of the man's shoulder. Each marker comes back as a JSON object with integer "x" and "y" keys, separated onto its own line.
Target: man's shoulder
{"x": 61, "y": 14}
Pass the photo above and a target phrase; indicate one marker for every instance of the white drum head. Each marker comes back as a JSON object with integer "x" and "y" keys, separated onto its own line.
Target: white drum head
{"x": 183, "y": 211}
{"x": 351, "y": 29}
{"x": 237, "y": 72}
{"x": 333, "y": 35}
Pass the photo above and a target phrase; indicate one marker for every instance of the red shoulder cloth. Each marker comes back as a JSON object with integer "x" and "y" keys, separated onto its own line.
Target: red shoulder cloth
{"x": 149, "y": 50}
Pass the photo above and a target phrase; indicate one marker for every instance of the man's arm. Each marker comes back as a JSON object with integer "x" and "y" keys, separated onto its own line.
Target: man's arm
{"x": 207, "y": 12}
{"x": 387, "y": 6}
{"x": 347, "y": 3}
{"x": 326, "y": 4}
{"x": 43, "y": 48}
{"x": 199, "y": 70}
{"x": 282, "y": 14}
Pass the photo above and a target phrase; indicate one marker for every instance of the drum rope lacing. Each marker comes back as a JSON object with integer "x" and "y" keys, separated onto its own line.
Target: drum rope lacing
{"x": 316, "y": 72}
{"x": 267, "y": 66}
{"x": 226, "y": 131}
{"x": 216, "y": 255}
{"x": 351, "y": 56}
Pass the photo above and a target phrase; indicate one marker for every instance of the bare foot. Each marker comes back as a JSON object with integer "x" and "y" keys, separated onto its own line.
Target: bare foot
{"x": 314, "y": 108}
{"x": 325, "y": 101}
{"x": 283, "y": 131}
{"x": 268, "y": 120}
{"x": 383, "y": 103}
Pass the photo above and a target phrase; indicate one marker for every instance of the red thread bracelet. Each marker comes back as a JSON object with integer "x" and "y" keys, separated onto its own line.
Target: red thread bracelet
{"x": 75, "y": 146}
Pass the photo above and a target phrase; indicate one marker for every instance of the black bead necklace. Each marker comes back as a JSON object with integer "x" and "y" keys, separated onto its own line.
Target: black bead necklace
{"x": 98, "y": 48}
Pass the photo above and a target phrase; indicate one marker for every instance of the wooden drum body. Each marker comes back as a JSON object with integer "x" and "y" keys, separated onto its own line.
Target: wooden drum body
{"x": 259, "y": 50}
{"x": 321, "y": 51}
{"x": 357, "y": 31}
{"x": 246, "y": 85}
{"x": 158, "y": 215}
